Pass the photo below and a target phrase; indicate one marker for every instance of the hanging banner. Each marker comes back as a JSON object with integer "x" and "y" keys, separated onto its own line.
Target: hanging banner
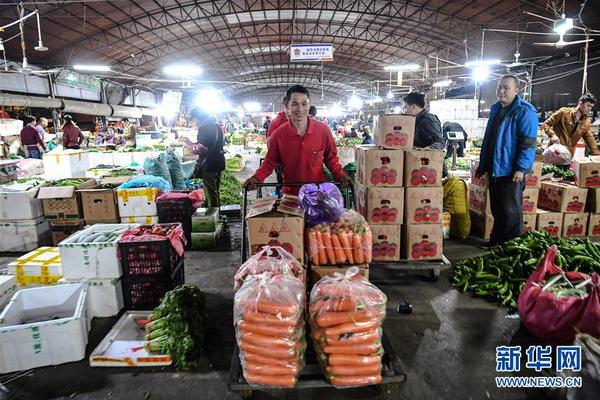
{"x": 311, "y": 52}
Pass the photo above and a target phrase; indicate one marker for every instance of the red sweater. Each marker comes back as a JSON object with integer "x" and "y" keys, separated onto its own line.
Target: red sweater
{"x": 279, "y": 120}
{"x": 30, "y": 137}
{"x": 301, "y": 157}
{"x": 72, "y": 136}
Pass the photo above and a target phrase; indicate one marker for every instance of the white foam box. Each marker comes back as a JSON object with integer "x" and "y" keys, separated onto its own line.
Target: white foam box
{"x": 100, "y": 157}
{"x": 24, "y": 235}
{"x": 60, "y": 164}
{"x": 38, "y": 267}
{"x": 138, "y": 202}
{"x": 140, "y": 156}
{"x": 146, "y": 220}
{"x": 123, "y": 159}
{"x": 92, "y": 260}
{"x": 19, "y": 204}
{"x": 105, "y": 296}
{"x": 8, "y": 287}
{"x": 44, "y": 326}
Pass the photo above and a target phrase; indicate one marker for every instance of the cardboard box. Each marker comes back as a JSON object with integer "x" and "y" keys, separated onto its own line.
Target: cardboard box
{"x": 479, "y": 199}
{"x": 386, "y": 242}
{"x": 62, "y": 229}
{"x": 529, "y": 221}
{"x": 562, "y": 197}
{"x": 277, "y": 223}
{"x": 380, "y": 205}
{"x": 318, "y": 272}
{"x": 63, "y": 202}
{"x": 550, "y": 222}
{"x": 534, "y": 180}
{"x": 423, "y": 205}
{"x": 592, "y": 204}
{"x": 422, "y": 242}
{"x": 423, "y": 167}
{"x": 530, "y": 200}
{"x": 594, "y": 225}
{"x": 379, "y": 167}
{"x": 481, "y": 182}
{"x": 99, "y": 205}
{"x": 481, "y": 225}
{"x": 395, "y": 131}
{"x": 587, "y": 172}
{"x": 574, "y": 225}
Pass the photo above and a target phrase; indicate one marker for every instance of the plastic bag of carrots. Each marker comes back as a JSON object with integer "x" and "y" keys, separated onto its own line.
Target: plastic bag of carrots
{"x": 346, "y": 317}
{"x": 347, "y": 241}
{"x": 268, "y": 314}
{"x": 274, "y": 259}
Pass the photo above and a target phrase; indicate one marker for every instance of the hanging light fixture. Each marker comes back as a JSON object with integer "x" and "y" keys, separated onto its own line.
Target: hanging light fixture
{"x": 40, "y": 46}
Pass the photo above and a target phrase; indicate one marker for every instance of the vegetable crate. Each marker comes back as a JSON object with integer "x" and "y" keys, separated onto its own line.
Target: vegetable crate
{"x": 145, "y": 293}
{"x": 177, "y": 210}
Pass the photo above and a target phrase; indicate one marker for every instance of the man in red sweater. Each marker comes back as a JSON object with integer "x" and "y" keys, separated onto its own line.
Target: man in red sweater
{"x": 30, "y": 138}
{"x": 301, "y": 146}
{"x": 280, "y": 119}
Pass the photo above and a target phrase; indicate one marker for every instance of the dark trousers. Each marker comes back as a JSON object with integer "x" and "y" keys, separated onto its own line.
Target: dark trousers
{"x": 212, "y": 184}
{"x": 506, "y": 203}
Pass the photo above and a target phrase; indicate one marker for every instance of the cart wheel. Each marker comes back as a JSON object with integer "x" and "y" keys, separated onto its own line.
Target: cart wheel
{"x": 434, "y": 274}
{"x": 246, "y": 394}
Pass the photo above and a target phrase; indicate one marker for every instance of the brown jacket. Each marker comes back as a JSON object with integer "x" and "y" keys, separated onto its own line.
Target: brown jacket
{"x": 561, "y": 124}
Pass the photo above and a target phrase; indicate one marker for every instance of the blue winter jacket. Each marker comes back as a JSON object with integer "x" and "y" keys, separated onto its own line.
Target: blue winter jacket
{"x": 515, "y": 142}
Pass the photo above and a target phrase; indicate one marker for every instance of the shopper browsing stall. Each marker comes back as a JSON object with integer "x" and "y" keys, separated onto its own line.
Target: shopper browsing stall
{"x": 129, "y": 133}
{"x": 72, "y": 136}
{"x": 301, "y": 146}
{"x": 41, "y": 126}
{"x": 30, "y": 139}
{"x": 507, "y": 154}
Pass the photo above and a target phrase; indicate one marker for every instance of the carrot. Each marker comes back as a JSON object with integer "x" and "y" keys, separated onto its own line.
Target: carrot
{"x": 353, "y": 349}
{"x": 359, "y": 256}
{"x": 367, "y": 243}
{"x": 271, "y": 380}
{"x": 327, "y": 319}
{"x": 322, "y": 252}
{"x": 328, "y": 245}
{"x": 318, "y": 333}
{"x": 334, "y": 304}
{"x": 313, "y": 246}
{"x": 354, "y": 338}
{"x": 262, "y": 318}
{"x": 266, "y": 341}
{"x": 269, "y": 330}
{"x": 340, "y": 255}
{"x": 347, "y": 246}
{"x": 265, "y": 369}
{"x": 343, "y": 359}
{"x": 352, "y": 327}
{"x": 274, "y": 352}
{"x": 372, "y": 369}
{"x": 357, "y": 380}
{"x": 269, "y": 307}
{"x": 258, "y": 359}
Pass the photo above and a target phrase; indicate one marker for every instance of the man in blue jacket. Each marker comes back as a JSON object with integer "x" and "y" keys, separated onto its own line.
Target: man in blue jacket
{"x": 507, "y": 154}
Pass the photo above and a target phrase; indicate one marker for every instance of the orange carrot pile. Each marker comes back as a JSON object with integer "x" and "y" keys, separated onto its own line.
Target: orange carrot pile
{"x": 347, "y": 241}
{"x": 274, "y": 259}
{"x": 346, "y": 317}
{"x": 268, "y": 315}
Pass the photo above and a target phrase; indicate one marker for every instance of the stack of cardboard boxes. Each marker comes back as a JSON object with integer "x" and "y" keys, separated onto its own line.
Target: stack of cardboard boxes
{"x": 587, "y": 175}
{"x": 399, "y": 192}
{"x": 100, "y": 202}
{"x": 562, "y": 207}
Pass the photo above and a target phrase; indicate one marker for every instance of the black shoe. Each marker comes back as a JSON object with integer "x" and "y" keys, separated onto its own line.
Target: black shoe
{"x": 488, "y": 246}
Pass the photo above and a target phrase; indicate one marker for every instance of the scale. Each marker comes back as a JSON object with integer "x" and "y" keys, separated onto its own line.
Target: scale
{"x": 454, "y": 137}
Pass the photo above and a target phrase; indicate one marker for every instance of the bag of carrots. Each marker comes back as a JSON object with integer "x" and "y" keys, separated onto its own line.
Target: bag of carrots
{"x": 346, "y": 317}
{"x": 268, "y": 314}
{"x": 274, "y": 259}
{"x": 347, "y": 241}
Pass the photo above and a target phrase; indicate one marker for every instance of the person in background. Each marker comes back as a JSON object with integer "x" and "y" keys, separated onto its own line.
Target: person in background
{"x": 229, "y": 126}
{"x": 428, "y": 129}
{"x": 454, "y": 127}
{"x": 352, "y": 133}
{"x": 267, "y": 123}
{"x": 301, "y": 146}
{"x": 211, "y": 161}
{"x": 507, "y": 154}
{"x": 41, "y": 126}
{"x": 129, "y": 133}
{"x": 367, "y": 139}
{"x": 312, "y": 112}
{"x": 568, "y": 125}
{"x": 281, "y": 118}
{"x": 30, "y": 138}
{"x": 72, "y": 136}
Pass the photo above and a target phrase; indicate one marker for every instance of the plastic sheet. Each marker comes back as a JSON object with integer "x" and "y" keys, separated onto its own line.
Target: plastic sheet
{"x": 147, "y": 181}
{"x": 144, "y": 233}
{"x": 175, "y": 171}
{"x": 273, "y": 259}
{"x": 557, "y": 154}
{"x": 322, "y": 202}
{"x": 157, "y": 166}
{"x": 268, "y": 314}
{"x": 346, "y": 317}
{"x": 196, "y": 197}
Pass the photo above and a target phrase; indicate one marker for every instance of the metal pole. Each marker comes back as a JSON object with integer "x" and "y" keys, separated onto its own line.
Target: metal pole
{"x": 585, "y": 65}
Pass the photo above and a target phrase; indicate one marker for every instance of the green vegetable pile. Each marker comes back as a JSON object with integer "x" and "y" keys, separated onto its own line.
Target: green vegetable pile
{"x": 500, "y": 274}
{"x": 477, "y": 143}
{"x": 231, "y": 189}
{"x": 557, "y": 172}
{"x": 122, "y": 172}
{"x": 560, "y": 286}
{"x": 67, "y": 182}
{"x": 234, "y": 164}
{"x": 178, "y": 326}
{"x": 463, "y": 163}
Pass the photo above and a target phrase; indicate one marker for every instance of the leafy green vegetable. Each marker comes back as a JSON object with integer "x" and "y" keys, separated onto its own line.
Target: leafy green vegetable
{"x": 557, "y": 172}
{"x": 231, "y": 188}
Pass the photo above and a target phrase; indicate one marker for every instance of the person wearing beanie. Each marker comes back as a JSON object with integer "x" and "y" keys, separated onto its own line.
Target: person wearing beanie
{"x": 428, "y": 129}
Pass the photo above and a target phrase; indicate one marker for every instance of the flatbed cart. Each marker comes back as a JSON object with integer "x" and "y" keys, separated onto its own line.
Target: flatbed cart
{"x": 433, "y": 267}
{"x": 311, "y": 376}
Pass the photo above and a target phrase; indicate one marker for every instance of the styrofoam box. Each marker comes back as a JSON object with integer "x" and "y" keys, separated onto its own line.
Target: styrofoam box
{"x": 122, "y": 159}
{"x": 61, "y": 164}
{"x": 105, "y": 296}
{"x": 44, "y": 326}
{"x": 38, "y": 267}
{"x": 19, "y": 204}
{"x": 91, "y": 260}
{"x": 8, "y": 287}
{"x": 140, "y": 156}
{"x": 100, "y": 157}
{"x": 137, "y": 202}
{"x": 147, "y": 220}
{"x": 24, "y": 235}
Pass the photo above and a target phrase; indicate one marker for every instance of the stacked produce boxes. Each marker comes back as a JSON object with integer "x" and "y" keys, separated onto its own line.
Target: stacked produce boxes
{"x": 206, "y": 229}
{"x": 138, "y": 205}
{"x": 587, "y": 175}
{"x": 563, "y": 206}
{"x": 100, "y": 202}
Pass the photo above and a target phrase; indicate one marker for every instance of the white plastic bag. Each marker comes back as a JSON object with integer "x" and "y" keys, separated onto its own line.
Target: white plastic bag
{"x": 557, "y": 154}
{"x": 274, "y": 259}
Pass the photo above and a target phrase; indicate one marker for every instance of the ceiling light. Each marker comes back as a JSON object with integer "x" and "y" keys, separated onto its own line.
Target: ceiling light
{"x": 252, "y": 106}
{"x": 182, "y": 70}
{"x": 40, "y": 46}
{"x": 390, "y": 95}
{"x": 212, "y": 100}
{"x": 404, "y": 67}
{"x": 480, "y": 74}
{"x": 561, "y": 26}
{"x": 445, "y": 83}
{"x": 92, "y": 68}
{"x": 354, "y": 102}
{"x": 482, "y": 63}
{"x": 71, "y": 76}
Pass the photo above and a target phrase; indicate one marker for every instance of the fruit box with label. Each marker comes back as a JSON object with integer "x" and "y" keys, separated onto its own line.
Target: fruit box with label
{"x": 423, "y": 167}
{"x": 477, "y": 181}
{"x": 423, "y": 205}
{"x": 276, "y": 222}
{"x": 481, "y": 225}
{"x": 550, "y": 222}
{"x": 587, "y": 172}
{"x": 529, "y": 221}
{"x": 63, "y": 202}
{"x": 592, "y": 204}
{"x": 379, "y": 167}
{"x": 534, "y": 180}
{"x": 574, "y": 225}
{"x": 563, "y": 197}
{"x": 319, "y": 272}
{"x": 594, "y": 225}
{"x": 530, "y": 200}
{"x": 395, "y": 131}
{"x": 422, "y": 242}
{"x": 380, "y": 205}
{"x": 479, "y": 199}
{"x": 386, "y": 242}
